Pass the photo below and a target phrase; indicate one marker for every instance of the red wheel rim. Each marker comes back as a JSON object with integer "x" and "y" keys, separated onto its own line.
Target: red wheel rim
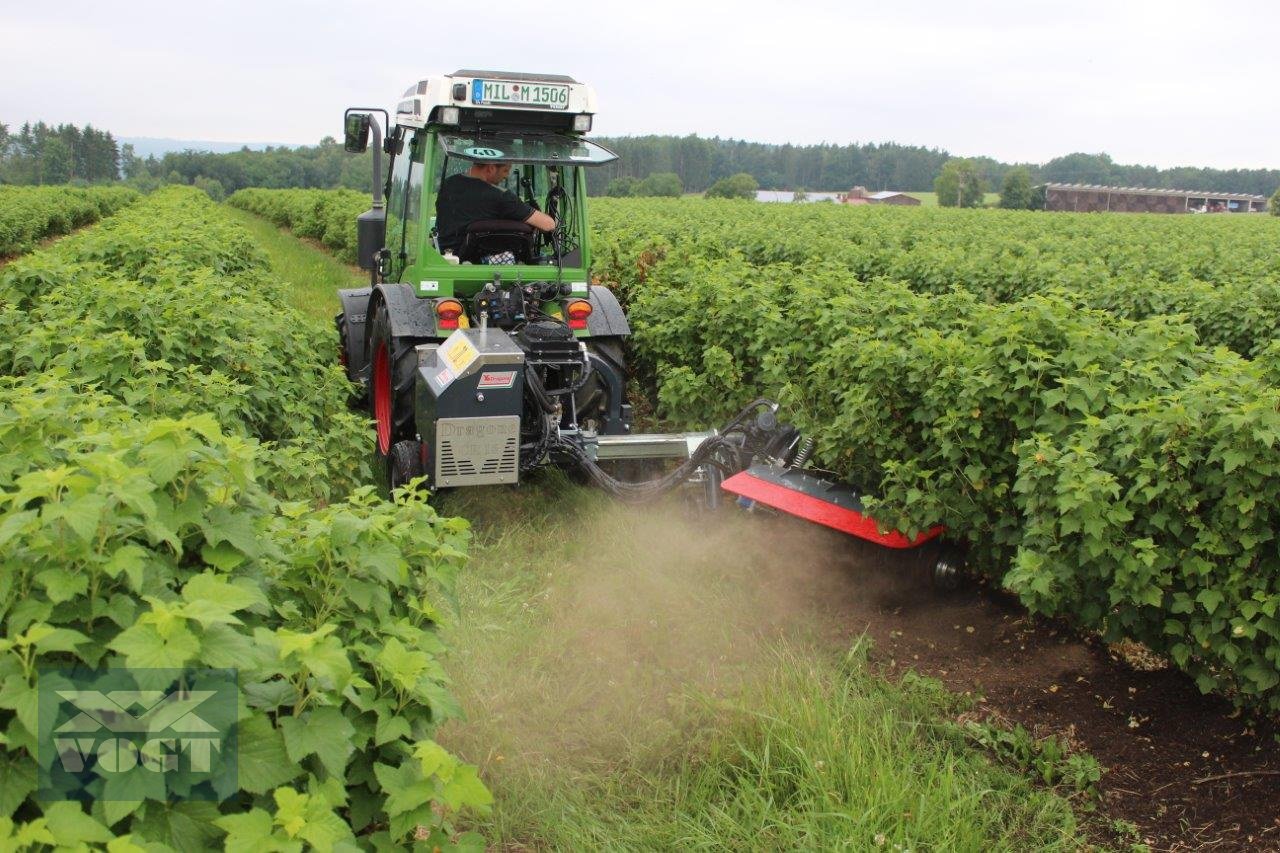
{"x": 382, "y": 398}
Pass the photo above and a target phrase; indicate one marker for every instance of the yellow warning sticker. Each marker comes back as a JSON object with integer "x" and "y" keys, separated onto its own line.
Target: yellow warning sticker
{"x": 459, "y": 353}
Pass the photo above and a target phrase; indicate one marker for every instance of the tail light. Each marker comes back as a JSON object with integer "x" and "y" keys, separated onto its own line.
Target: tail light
{"x": 578, "y": 311}
{"x": 447, "y": 313}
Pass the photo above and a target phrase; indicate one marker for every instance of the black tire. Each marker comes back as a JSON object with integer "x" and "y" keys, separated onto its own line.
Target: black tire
{"x": 392, "y": 362}
{"x": 593, "y": 399}
{"x": 359, "y": 397}
{"x": 404, "y": 464}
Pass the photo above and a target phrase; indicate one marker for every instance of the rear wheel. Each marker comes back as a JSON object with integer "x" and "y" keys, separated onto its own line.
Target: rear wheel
{"x": 392, "y": 363}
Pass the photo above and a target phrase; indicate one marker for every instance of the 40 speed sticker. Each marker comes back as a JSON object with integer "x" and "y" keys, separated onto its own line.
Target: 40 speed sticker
{"x": 488, "y": 153}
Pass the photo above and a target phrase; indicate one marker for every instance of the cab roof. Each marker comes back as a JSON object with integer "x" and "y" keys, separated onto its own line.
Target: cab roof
{"x": 478, "y": 100}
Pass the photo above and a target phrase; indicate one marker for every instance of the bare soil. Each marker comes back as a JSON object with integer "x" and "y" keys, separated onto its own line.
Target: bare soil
{"x": 1187, "y": 769}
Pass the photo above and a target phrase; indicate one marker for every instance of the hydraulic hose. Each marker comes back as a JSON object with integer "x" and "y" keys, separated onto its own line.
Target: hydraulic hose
{"x": 732, "y": 442}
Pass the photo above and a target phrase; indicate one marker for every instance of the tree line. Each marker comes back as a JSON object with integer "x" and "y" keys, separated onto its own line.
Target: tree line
{"x": 40, "y": 153}
{"x": 45, "y": 154}
{"x": 699, "y": 162}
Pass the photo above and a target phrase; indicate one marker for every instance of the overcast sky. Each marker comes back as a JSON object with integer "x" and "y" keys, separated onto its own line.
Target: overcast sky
{"x": 1163, "y": 83}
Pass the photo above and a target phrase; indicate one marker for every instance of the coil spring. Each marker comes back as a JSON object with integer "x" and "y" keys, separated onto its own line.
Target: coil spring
{"x": 803, "y": 452}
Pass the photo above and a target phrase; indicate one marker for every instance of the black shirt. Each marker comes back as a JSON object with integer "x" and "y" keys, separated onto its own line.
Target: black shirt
{"x": 464, "y": 199}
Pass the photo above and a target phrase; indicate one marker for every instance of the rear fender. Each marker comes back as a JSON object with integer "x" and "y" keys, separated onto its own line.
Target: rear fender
{"x": 607, "y": 316}
{"x": 355, "y": 308}
{"x": 411, "y": 316}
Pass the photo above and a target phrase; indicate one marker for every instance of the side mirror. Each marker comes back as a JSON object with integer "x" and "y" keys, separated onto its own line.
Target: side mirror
{"x": 356, "y": 133}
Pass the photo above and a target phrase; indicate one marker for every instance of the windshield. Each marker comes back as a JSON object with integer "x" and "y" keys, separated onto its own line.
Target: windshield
{"x": 515, "y": 148}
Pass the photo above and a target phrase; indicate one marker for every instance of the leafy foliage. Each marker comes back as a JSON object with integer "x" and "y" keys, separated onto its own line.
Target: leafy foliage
{"x": 173, "y": 496}
{"x": 1015, "y": 191}
{"x": 328, "y": 216}
{"x": 30, "y": 214}
{"x": 740, "y": 185}
{"x": 960, "y": 184}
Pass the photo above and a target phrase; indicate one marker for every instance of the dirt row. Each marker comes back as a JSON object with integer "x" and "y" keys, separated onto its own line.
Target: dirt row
{"x": 1190, "y": 771}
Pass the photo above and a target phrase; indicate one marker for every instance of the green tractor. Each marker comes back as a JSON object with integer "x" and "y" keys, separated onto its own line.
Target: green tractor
{"x": 477, "y": 373}
{"x": 541, "y": 309}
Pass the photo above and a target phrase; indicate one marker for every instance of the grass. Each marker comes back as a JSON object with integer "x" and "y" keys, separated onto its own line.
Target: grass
{"x": 313, "y": 276}
{"x": 645, "y": 678}
{"x": 642, "y": 680}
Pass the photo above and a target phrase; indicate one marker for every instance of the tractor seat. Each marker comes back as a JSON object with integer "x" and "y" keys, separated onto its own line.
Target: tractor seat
{"x": 487, "y": 237}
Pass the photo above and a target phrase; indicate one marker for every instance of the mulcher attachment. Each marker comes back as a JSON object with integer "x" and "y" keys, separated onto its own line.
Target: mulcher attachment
{"x": 796, "y": 492}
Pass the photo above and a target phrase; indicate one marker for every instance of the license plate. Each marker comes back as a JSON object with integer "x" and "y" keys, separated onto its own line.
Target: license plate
{"x": 542, "y": 96}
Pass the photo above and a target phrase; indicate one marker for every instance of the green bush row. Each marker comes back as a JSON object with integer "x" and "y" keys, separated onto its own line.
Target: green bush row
{"x": 327, "y": 216}
{"x": 30, "y": 214}
{"x": 1220, "y": 272}
{"x": 1112, "y": 471}
{"x": 174, "y": 496}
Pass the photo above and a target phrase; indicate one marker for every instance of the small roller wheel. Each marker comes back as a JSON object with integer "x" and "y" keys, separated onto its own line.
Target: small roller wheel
{"x": 404, "y": 464}
{"x": 947, "y": 568}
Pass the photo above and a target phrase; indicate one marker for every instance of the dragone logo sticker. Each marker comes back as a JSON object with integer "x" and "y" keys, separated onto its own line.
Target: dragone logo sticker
{"x": 133, "y": 734}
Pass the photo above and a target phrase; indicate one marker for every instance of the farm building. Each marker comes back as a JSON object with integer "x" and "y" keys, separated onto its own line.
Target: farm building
{"x": 859, "y": 195}
{"x": 1090, "y": 198}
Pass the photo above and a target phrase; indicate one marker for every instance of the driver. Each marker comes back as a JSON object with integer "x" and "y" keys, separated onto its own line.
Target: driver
{"x": 475, "y": 196}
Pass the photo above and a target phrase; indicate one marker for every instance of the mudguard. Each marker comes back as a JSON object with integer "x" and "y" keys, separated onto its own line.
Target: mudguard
{"x": 607, "y": 316}
{"x": 355, "y": 304}
{"x": 411, "y": 316}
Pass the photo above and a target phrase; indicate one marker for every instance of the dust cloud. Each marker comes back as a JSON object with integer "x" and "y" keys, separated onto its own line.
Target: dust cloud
{"x": 654, "y": 613}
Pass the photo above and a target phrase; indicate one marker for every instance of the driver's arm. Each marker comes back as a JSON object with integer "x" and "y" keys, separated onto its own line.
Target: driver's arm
{"x": 541, "y": 221}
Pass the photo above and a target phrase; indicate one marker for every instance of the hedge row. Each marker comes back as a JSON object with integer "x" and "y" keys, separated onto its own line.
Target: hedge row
{"x": 1221, "y": 272}
{"x": 30, "y": 214}
{"x": 1112, "y": 471}
{"x": 172, "y": 498}
{"x": 328, "y": 216}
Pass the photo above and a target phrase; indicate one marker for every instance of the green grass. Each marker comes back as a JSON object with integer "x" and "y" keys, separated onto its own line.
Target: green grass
{"x": 649, "y": 678}
{"x": 313, "y": 276}
{"x": 642, "y": 679}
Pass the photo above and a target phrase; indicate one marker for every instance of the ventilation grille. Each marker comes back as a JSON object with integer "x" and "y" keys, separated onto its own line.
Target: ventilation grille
{"x": 477, "y": 451}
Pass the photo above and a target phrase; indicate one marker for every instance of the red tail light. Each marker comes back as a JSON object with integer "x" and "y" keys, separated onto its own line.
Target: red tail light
{"x": 447, "y": 313}
{"x": 578, "y": 311}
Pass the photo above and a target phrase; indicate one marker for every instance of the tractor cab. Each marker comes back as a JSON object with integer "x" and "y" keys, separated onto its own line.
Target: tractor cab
{"x": 446, "y": 124}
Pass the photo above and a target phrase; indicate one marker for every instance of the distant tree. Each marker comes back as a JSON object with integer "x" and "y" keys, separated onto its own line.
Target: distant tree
{"x": 212, "y": 186}
{"x": 1080, "y": 168}
{"x": 799, "y": 195}
{"x": 959, "y": 184}
{"x": 1275, "y": 203}
{"x": 174, "y": 177}
{"x": 661, "y": 184}
{"x": 740, "y": 185}
{"x": 623, "y": 187}
{"x": 130, "y": 164}
{"x": 55, "y": 161}
{"x": 1016, "y": 192}
{"x": 1038, "y": 193}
